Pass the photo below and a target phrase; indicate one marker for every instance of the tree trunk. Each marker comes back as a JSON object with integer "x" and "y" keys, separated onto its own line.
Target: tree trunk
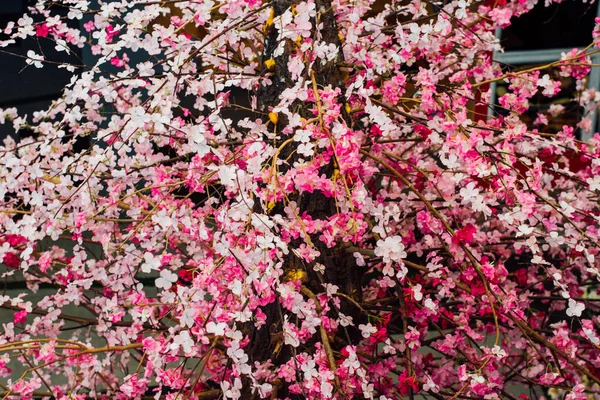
{"x": 340, "y": 266}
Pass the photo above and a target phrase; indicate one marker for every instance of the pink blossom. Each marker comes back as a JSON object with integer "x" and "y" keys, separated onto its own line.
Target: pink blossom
{"x": 11, "y": 260}
{"x": 133, "y": 386}
{"x": 20, "y": 317}
{"x": 42, "y": 30}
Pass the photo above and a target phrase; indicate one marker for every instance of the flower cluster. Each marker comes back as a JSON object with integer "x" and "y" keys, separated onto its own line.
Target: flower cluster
{"x": 296, "y": 200}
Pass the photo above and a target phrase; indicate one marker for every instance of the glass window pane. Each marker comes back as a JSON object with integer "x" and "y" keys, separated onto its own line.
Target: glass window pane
{"x": 11, "y": 7}
{"x": 565, "y": 25}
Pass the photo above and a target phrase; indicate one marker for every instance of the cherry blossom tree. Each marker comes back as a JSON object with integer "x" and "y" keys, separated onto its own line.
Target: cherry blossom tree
{"x": 297, "y": 199}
